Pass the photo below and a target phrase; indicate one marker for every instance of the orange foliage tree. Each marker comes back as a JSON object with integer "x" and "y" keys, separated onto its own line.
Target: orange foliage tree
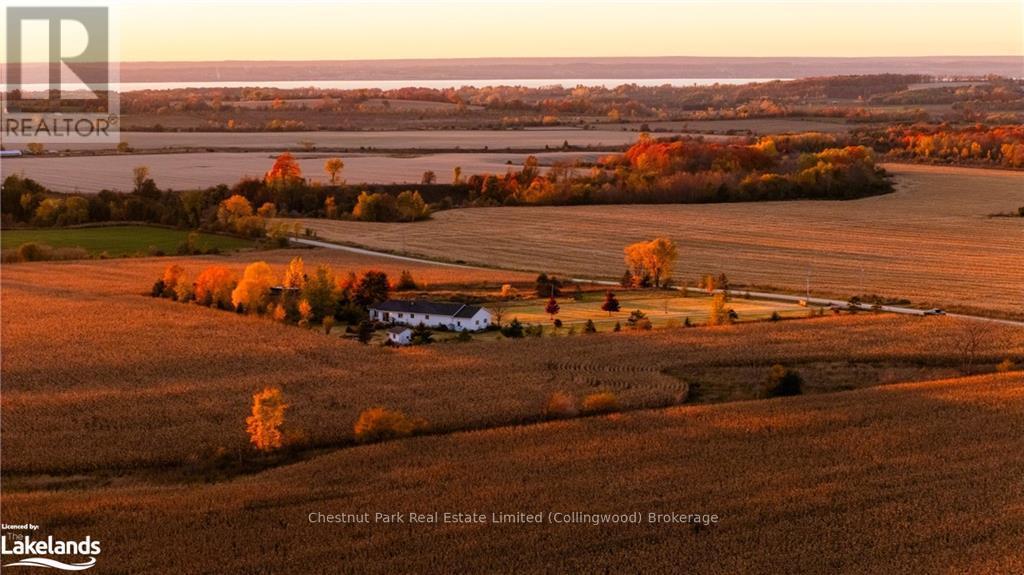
{"x": 215, "y": 285}
{"x": 284, "y": 172}
{"x": 653, "y": 259}
{"x": 264, "y": 425}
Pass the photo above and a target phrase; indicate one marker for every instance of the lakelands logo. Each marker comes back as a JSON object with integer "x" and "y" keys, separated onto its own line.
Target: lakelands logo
{"x": 40, "y": 552}
{"x": 59, "y": 75}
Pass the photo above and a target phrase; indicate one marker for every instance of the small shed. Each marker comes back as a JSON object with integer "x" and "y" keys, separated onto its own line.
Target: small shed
{"x": 400, "y": 335}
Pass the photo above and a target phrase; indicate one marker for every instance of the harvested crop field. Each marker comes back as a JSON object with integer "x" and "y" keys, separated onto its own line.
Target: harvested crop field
{"x": 90, "y": 174}
{"x": 388, "y": 140}
{"x": 916, "y": 478}
{"x": 931, "y": 241}
{"x": 97, "y": 375}
{"x": 760, "y": 126}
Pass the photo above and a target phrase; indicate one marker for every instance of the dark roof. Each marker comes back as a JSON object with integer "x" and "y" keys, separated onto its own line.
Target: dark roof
{"x": 454, "y": 309}
{"x": 398, "y": 329}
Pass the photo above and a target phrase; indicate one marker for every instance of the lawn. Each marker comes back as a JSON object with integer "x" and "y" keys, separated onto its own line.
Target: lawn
{"x": 663, "y": 308}
{"x": 118, "y": 240}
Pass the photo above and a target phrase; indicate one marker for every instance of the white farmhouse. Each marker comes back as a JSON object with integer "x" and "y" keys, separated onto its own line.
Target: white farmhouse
{"x": 454, "y": 316}
{"x": 400, "y": 335}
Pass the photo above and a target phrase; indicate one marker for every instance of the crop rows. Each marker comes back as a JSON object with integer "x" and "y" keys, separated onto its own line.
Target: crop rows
{"x": 97, "y": 375}
{"x": 931, "y": 241}
{"x": 916, "y": 478}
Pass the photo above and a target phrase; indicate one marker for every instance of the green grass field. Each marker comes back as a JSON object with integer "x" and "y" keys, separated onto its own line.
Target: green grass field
{"x": 662, "y": 308}
{"x": 118, "y": 240}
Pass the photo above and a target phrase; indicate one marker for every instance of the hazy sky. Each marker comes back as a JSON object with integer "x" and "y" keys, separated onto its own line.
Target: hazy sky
{"x": 310, "y": 30}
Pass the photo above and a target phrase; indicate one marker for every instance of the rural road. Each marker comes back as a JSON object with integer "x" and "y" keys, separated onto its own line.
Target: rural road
{"x": 753, "y": 294}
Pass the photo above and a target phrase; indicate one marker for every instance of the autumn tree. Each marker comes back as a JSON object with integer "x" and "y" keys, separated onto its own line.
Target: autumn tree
{"x": 708, "y": 283}
{"x": 508, "y": 292}
{"x": 330, "y": 208}
{"x": 264, "y": 425}
{"x": 214, "y": 286}
{"x": 457, "y": 175}
{"x": 378, "y": 423}
{"x": 717, "y": 314}
{"x": 653, "y": 259}
{"x": 172, "y": 275}
{"x": 295, "y": 275}
{"x": 235, "y": 214}
{"x": 320, "y": 294}
{"x": 375, "y": 207}
{"x": 411, "y": 207}
{"x": 611, "y": 303}
{"x": 253, "y": 290}
{"x": 333, "y": 167}
{"x": 139, "y": 176}
{"x": 305, "y": 312}
{"x": 285, "y": 172}
{"x": 429, "y": 177}
{"x": 184, "y": 290}
{"x": 268, "y": 210}
{"x": 552, "y": 308}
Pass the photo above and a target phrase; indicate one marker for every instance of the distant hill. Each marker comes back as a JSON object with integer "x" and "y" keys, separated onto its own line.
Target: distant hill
{"x": 556, "y": 68}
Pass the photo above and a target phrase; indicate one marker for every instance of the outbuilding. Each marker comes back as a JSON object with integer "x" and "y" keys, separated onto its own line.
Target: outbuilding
{"x": 400, "y": 335}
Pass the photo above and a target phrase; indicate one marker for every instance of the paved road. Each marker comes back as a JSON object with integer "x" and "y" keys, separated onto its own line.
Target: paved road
{"x": 753, "y": 294}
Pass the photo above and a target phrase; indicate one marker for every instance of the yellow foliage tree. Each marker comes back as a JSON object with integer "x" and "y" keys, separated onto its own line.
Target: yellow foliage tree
{"x": 295, "y": 275}
{"x": 264, "y": 425}
{"x": 305, "y": 310}
{"x": 252, "y": 291}
{"x": 381, "y": 423}
{"x": 172, "y": 274}
{"x": 655, "y": 258}
{"x": 717, "y": 314}
{"x": 236, "y": 214}
{"x": 333, "y": 167}
{"x": 184, "y": 290}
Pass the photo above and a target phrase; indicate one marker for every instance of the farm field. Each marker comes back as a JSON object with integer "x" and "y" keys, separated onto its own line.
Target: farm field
{"x": 118, "y": 240}
{"x": 389, "y": 103}
{"x": 760, "y": 126}
{"x": 98, "y": 376}
{"x": 536, "y": 138}
{"x": 931, "y": 241}
{"x": 86, "y": 174}
{"x": 921, "y": 477}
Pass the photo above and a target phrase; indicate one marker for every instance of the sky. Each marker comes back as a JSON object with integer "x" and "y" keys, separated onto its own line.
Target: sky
{"x": 384, "y": 29}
